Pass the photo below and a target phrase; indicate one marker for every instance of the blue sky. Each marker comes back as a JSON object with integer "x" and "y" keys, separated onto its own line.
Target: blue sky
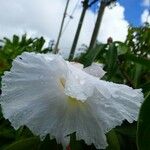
{"x": 133, "y": 10}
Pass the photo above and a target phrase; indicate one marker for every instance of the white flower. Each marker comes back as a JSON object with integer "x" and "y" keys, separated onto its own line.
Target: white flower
{"x": 52, "y": 96}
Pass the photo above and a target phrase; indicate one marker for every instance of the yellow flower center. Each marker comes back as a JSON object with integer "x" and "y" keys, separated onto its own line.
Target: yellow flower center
{"x": 73, "y": 102}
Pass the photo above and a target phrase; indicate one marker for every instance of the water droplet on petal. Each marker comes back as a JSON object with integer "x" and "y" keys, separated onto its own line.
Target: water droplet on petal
{"x": 82, "y": 82}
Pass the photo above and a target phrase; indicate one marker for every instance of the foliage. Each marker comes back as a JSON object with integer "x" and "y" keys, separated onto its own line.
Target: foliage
{"x": 126, "y": 63}
{"x": 144, "y": 125}
{"x": 11, "y": 48}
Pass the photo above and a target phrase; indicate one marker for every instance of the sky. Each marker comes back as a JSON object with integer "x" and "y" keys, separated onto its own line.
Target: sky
{"x": 134, "y": 9}
{"x": 43, "y": 18}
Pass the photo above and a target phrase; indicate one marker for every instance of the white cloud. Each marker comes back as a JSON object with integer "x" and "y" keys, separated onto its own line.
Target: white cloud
{"x": 43, "y": 18}
{"x": 145, "y": 17}
{"x": 146, "y": 3}
{"x": 114, "y": 24}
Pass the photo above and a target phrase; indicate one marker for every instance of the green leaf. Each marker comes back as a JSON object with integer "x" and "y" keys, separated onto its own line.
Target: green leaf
{"x": 26, "y": 144}
{"x": 7, "y": 133}
{"x": 143, "y": 132}
{"x": 138, "y": 71}
{"x": 90, "y": 56}
{"x": 1, "y": 115}
{"x": 111, "y": 60}
{"x": 112, "y": 141}
{"x": 122, "y": 48}
{"x": 48, "y": 144}
{"x": 23, "y": 132}
{"x": 15, "y": 40}
{"x": 146, "y": 87}
{"x": 74, "y": 144}
{"x": 139, "y": 60}
{"x": 127, "y": 129}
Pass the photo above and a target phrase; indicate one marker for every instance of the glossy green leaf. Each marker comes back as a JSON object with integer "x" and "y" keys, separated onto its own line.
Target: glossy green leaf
{"x": 48, "y": 144}
{"x": 23, "y": 132}
{"x": 90, "y": 56}
{"x": 111, "y": 60}
{"x": 146, "y": 87}
{"x": 113, "y": 141}
{"x": 143, "y": 133}
{"x": 25, "y": 144}
{"x": 74, "y": 144}
{"x": 138, "y": 71}
{"x": 127, "y": 129}
{"x": 139, "y": 60}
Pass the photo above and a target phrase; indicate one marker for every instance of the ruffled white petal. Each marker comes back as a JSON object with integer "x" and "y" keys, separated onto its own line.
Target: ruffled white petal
{"x": 51, "y": 96}
{"x": 31, "y": 87}
{"x": 112, "y": 103}
{"x": 77, "y": 65}
{"x": 78, "y": 84}
{"x": 96, "y": 70}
